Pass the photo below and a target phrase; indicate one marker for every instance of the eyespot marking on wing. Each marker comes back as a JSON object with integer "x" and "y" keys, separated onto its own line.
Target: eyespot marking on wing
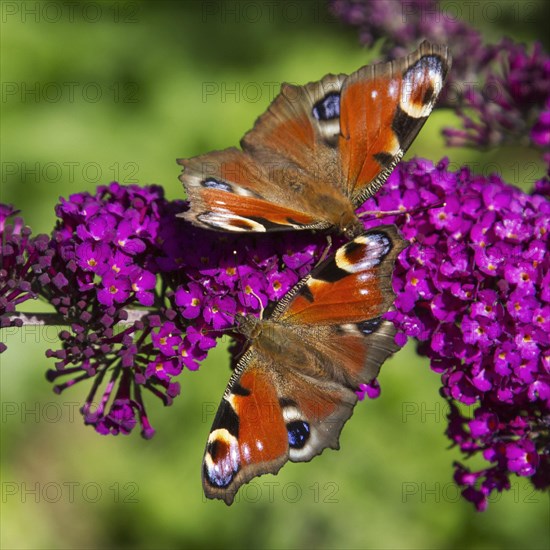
{"x": 369, "y": 326}
{"x": 422, "y": 84}
{"x": 307, "y": 294}
{"x": 237, "y": 389}
{"x": 212, "y": 183}
{"x": 363, "y": 252}
{"x": 327, "y": 108}
{"x": 298, "y": 434}
{"x": 302, "y": 436}
{"x": 384, "y": 159}
{"x": 221, "y": 461}
{"x": 401, "y": 125}
{"x": 227, "y": 419}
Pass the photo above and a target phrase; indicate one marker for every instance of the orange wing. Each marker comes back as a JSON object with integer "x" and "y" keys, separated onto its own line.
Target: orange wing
{"x": 351, "y": 287}
{"x": 382, "y": 109}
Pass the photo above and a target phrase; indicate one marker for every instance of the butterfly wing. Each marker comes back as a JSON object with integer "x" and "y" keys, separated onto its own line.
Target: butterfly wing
{"x": 232, "y": 190}
{"x": 319, "y": 150}
{"x": 283, "y": 177}
{"x": 338, "y": 307}
{"x": 248, "y": 436}
{"x": 382, "y": 109}
{"x": 294, "y": 388}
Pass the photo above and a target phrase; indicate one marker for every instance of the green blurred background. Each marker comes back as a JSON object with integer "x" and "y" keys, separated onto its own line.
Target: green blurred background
{"x": 97, "y": 91}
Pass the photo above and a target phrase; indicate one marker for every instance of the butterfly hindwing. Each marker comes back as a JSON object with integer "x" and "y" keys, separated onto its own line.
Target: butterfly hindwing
{"x": 319, "y": 150}
{"x": 248, "y": 437}
{"x": 294, "y": 387}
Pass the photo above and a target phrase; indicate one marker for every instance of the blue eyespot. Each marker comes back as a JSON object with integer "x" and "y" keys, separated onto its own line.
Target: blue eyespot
{"x": 369, "y": 326}
{"x": 216, "y": 184}
{"x": 328, "y": 108}
{"x": 298, "y": 434}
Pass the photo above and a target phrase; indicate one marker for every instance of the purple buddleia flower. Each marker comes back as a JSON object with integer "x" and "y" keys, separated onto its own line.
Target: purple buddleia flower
{"x": 105, "y": 246}
{"x": 508, "y": 100}
{"x": 371, "y": 390}
{"x": 23, "y": 261}
{"x": 473, "y": 290}
{"x": 189, "y": 300}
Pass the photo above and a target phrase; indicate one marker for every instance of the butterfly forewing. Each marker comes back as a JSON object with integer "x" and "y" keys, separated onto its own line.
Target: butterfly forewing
{"x": 382, "y": 109}
{"x": 232, "y": 191}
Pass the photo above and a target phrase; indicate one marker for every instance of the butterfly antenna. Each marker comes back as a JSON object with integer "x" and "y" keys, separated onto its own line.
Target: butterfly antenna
{"x": 259, "y": 302}
{"x": 226, "y": 329}
{"x": 239, "y": 279}
{"x": 384, "y": 213}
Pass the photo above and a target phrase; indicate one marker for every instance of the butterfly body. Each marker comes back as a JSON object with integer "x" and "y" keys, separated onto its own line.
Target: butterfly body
{"x": 319, "y": 151}
{"x": 294, "y": 386}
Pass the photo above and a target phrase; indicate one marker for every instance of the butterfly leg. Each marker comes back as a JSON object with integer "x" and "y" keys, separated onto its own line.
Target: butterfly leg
{"x": 325, "y": 252}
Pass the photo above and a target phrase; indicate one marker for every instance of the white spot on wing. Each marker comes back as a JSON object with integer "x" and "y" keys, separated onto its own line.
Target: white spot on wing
{"x": 245, "y": 451}
{"x": 192, "y": 180}
{"x": 238, "y": 190}
{"x": 223, "y": 220}
{"x": 290, "y": 414}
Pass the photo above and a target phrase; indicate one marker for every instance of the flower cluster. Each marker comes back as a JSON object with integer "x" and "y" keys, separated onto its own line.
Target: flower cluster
{"x": 102, "y": 279}
{"x": 146, "y": 295}
{"x": 22, "y": 260}
{"x": 474, "y": 290}
{"x": 507, "y": 102}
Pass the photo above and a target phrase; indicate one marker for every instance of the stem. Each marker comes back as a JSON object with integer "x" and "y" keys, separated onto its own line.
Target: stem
{"x": 37, "y": 319}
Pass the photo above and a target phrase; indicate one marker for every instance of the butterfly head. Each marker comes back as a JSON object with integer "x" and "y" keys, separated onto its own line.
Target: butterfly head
{"x": 248, "y": 326}
{"x": 350, "y": 225}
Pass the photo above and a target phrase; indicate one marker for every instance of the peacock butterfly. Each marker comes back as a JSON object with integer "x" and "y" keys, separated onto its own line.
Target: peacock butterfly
{"x": 319, "y": 151}
{"x": 294, "y": 386}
